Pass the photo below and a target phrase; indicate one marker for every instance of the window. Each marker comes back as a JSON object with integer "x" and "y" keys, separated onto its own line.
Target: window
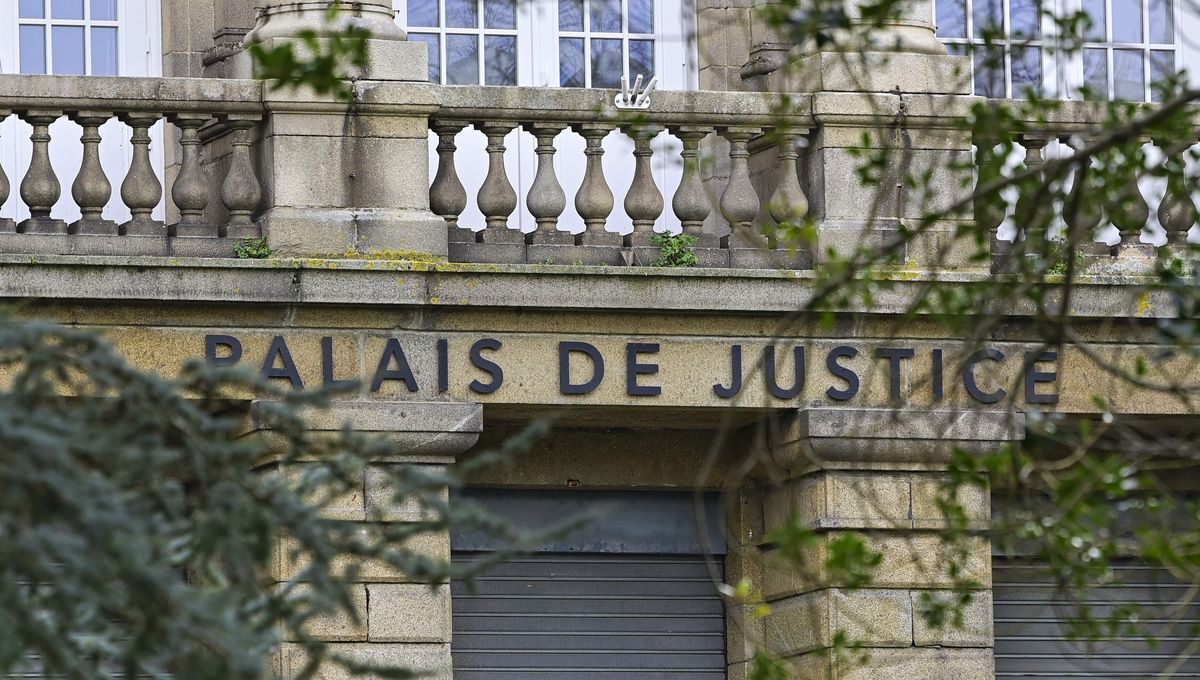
{"x": 1131, "y": 46}
{"x": 68, "y": 37}
{"x": 602, "y": 40}
{"x": 475, "y": 40}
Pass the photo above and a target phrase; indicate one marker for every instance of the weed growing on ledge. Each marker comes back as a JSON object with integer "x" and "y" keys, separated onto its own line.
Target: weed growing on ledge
{"x": 252, "y": 249}
{"x": 674, "y": 250}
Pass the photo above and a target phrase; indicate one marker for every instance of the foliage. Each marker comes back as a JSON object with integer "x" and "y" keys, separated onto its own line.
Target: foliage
{"x": 140, "y": 515}
{"x": 252, "y": 248}
{"x": 675, "y": 250}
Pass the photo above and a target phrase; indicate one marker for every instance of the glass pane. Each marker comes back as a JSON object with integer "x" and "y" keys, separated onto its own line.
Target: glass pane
{"x": 66, "y": 9}
{"x": 988, "y": 18}
{"x": 989, "y": 72}
{"x": 957, "y": 49}
{"x": 1026, "y": 71}
{"x": 606, "y": 63}
{"x": 32, "y": 40}
{"x": 1128, "y": 80}
{"x": 1025, "y": 19}
{"x": 499, "y": 14}
{"x": 423, "y": 13}
{"x": 1127, "y": 20}
{"x": 1162, "y": 22}
{"x": 1095, "y": 73}
{"x": 1162, "y": 67}
{"x": 500, "y": 60}
{"x": 435, "y": 54}
{"x": 606, "y": 16}
{"x": 641, "y": 60}
{"x": 951, "y": 18}
{"x": 32, "y": 9}
{"x": 1096, "y": 12}
{"x": 462, "y": 60}
{"x": 570, "y": 15}
{"x": 104, "y": 10}
{"x": 66, "y": 57}
{"x": 104, "y": 51}
{"x": 462, "y": 14}
{"x": 570, "y": 62}
{"x": 641, "y": 16}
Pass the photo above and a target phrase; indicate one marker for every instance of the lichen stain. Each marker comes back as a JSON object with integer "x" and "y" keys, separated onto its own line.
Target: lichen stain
{"x": 1143, "y": 304}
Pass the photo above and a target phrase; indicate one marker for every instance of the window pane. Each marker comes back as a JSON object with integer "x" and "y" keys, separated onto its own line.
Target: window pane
{"x": 1128, "y": 81}
{"x": 104, "y": 10}
{"x": 1096, "y": 12}
{"x": 435, "y": 54}
{"x": 987, "y": 16}
{"x": 606, "y": 16}
{"x": 951, "y": 18}
{"x": 606, "y": 63}
{"x": 1162, "y": 22}
{"x": 641, "y": 60}
{"x": 957, "y": 49}
{"x": 32, "y": 9}
{"x": 104, "y": 51}
{"x": 66, "y": 9}
{"x": 1025, "y": 19}
{"x": 66, "y": 56}
{"x": 462, "y": 60}
{"x": 500, "y": 60}
{"x": 1026, "y": 71}
{"x": 641, "y": 16}
{"x": 1127, "y": 20}
{"x": 989, "y": 72}
{"x": 499, "y": 14}
{"x": 1095, "y": 73}
{"x": 32, "y": 40}
{"x": 570, "y": 62}
{"x": 423, "y": 13}
{"x": 570, "y": 15}
{"x": 1162, "y": 67}
{"x": 461, "y": 14}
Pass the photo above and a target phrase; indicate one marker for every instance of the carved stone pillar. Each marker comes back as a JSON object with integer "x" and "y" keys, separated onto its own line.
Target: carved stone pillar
{"x": 91, "y": 189}
{"x": 40, "y": 189}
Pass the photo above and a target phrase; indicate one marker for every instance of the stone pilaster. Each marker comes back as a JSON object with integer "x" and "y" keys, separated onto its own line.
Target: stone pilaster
{"x": 400, "y": 619}
{"x": 878, "y": 475}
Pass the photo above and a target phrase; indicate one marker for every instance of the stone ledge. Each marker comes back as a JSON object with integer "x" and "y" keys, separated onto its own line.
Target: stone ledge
{"x": 119, "y": 246}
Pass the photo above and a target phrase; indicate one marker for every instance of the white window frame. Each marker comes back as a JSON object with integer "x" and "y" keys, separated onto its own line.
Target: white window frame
{"x": 1063, "y": 75}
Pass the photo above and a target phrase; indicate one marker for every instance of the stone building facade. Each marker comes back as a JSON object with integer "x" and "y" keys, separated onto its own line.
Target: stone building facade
{"x": 462, "y": 333}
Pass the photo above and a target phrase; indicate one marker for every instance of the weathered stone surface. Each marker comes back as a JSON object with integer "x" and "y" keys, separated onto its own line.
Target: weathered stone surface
{"x": 976, "y": 631}
{"x": 431, "y": 658}
{"x": 408, "y": 612}
{"x": 341, "y": 626}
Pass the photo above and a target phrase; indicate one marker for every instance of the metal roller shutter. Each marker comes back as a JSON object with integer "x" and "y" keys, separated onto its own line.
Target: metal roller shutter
{"x": 1032, "y": 636}
{"x": 628, "y": 597}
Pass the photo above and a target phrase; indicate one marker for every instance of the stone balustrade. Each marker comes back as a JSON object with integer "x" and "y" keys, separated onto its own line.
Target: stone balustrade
{"x": 1130, "y": 234}
{"x": 214, "y": 190}
{"x": 717, "y": 198}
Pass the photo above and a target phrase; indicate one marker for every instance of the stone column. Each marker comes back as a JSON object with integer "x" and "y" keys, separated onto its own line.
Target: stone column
{"x": 347, "y": 175}
{"x": 401, "y": 620}
{"x": 878, "y": 475}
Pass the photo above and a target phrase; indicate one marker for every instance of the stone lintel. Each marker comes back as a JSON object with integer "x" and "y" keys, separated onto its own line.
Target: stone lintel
{"x": 888, "y": 439}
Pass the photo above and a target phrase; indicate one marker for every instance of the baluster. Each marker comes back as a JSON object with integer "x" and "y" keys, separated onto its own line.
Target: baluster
{"x": 988, "y": 206}
{"x": 643, "y": 202}
{"x": 91, "y": 189}
{"x": 739, "y": 202}
{"x": 594, "y": 201}
{"x": 497, "y": 199}
{"x": 141, "y": 189}
{"x": 690, "y": 201}
{"x": 6, "y": 225}
{"x": 1131, "y": 212}
{"x": 192, "y": 184}
{"x": 1176, "y": 212}
{"x": 788, "y": 204}
{"x": 240, "y": 192}
{"x": 1028, "y": 207}
{"x": 1088, "y": 213}
{"x": 546, "y": 200}
{"x": 447, "y": 197}
{"x": 40, "y": 188}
